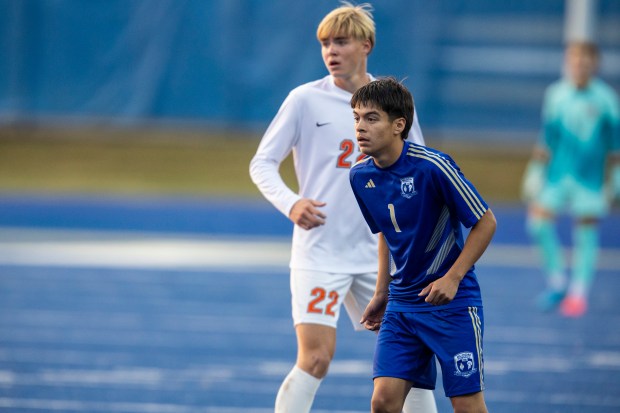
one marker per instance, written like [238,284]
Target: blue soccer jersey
[419,204]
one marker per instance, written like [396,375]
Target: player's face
[376,134]
[580,65]
[344,56]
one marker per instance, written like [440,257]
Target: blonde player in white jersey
[334,254]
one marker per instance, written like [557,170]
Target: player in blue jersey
[579,139]
[328,272]
[427,301]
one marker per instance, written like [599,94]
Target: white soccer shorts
[318,296]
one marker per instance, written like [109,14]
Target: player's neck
[352,83]
[580,82]
[389,155]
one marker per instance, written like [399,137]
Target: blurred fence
[474,66]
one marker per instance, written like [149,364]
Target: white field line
[130,250]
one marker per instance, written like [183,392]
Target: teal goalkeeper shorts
[568,195]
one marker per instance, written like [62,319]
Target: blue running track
[163,305]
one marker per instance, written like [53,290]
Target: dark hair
[389,95]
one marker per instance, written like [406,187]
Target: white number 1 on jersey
[393,217]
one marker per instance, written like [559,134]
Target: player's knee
[478,409]
[381,403]
[536,225]
[318,363]
[588,221]
[472,403]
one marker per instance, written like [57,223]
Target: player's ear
[367,46]
[399,125]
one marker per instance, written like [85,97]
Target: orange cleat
[573,306]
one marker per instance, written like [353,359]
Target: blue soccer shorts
[408,343]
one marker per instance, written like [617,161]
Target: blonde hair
[350,21]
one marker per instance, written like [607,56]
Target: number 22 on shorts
[315,306]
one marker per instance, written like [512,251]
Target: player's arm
[535,174]
[443,290]
[536,169]
[371,319]
[614,177]
[614,156]
[276,144]
[265,174]
[264,171]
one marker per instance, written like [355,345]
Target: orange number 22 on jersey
[347,146]
[320,294]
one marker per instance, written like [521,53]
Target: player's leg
[401,361]
[316,302]
[389,395]
[316,346]
[585,252]
[588,206]
[315,350]
[363,287]
[470,403]
[541,227]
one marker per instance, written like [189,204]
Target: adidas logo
[370,184]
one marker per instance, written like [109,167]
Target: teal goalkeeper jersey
[580,128]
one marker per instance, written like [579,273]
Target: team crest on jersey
[406,187]
[464,363]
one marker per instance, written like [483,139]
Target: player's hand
[533,180]
[440,291]
[306,213]
[371,319]
[614,183]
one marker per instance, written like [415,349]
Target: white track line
[132,250]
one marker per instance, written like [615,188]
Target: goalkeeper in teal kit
[574,168]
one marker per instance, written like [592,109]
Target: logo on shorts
[464,363]
[406,187]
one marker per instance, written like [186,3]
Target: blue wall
[472,65]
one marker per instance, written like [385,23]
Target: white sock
[420,401]
[297,392]
[557,281]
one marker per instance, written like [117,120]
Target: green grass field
[161,161]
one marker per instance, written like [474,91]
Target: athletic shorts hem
[417,385]
[316,322]
[463,393]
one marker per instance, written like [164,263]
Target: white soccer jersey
[316,123]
